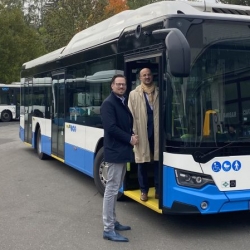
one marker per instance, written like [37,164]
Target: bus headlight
[192,179]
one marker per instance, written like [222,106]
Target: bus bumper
[180,199]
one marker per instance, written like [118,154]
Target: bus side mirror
[177,52]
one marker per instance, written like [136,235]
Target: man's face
[119,86]
[146,76]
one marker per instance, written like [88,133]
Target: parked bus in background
[9,101]
[199,56]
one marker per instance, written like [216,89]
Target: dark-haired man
[118,150]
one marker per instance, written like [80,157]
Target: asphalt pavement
[48,205]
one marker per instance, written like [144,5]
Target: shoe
[144,197]
[114,236]
[156,196]
[120,227]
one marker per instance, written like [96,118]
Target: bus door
[28,111]
[133,66]
[58,121]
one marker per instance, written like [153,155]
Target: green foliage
[134,4]
[18,43]
[31,28]
[11,3]
[68,17]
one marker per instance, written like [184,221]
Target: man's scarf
[149,89]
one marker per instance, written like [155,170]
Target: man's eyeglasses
[120,84]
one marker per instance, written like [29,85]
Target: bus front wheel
[100,173]
[6,116]
[40,154]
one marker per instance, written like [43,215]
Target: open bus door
[133,66]
[58,115]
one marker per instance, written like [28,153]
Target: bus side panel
[21,133]
[38,122]
[33,139]
[75,157]
[21,129]
[174,193]
[80,145]
[89,160]
[74,146]
[46,136]
[76,153]
[45,127]
[46,144]
[93,136]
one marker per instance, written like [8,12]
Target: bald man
[144,106]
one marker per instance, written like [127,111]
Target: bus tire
[6,116]
[40,154]
[100,173]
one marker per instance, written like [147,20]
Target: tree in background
[134,4]
[64,18]
[33,11]
[115,6]
[30,28]
[19,43]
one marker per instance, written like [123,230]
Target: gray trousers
[115,176]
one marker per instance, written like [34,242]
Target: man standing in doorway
[144,106]
[118,150]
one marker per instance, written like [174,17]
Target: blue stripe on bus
[33,140]
[173,192]
[79,159]
[21,133]
[235,206]
[46,144]
[239,200]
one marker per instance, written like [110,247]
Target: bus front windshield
[212,106]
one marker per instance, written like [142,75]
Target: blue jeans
[115,177]
[143,177]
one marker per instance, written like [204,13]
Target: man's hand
[134,140]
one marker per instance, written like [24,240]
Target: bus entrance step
[152,203]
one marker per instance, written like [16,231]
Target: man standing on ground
[118,150]
[144,106]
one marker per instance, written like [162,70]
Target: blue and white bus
[199,55]
[9,101]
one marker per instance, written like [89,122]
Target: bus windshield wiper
[200,157]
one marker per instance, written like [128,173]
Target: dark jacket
[117,123]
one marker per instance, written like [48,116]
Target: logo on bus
[71,127]
[226,166]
